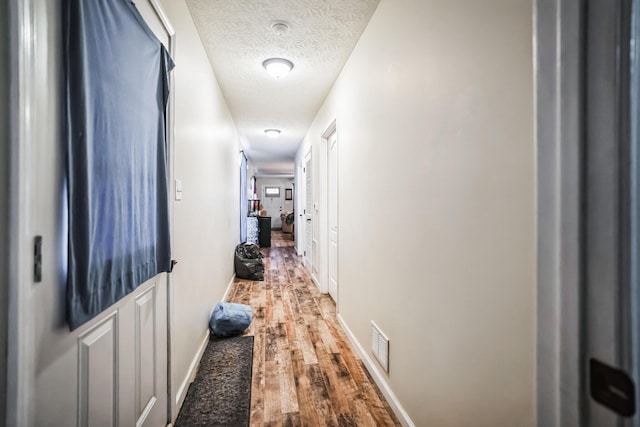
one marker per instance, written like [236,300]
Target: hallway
[431,180]
[304,369]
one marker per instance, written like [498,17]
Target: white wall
[206,227]
[434,114]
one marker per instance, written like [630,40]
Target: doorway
[611,226]
[272,202]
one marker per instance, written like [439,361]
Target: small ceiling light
[272,133]
[277,67]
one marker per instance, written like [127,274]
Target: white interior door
[308,212]
[113,369]
[272,201]
[333,214]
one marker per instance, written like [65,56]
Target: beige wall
[436,205]
[206,221]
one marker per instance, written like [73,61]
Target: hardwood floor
[304,370]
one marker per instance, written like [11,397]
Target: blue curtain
[117,85]
[243,199]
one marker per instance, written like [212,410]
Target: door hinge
[612,388]
[37,259]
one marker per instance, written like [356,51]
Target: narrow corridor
[304,369]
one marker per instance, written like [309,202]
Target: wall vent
[380,346]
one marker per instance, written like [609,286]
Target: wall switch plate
[178,185]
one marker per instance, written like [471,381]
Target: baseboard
[316,282]
[229,286]
[184,386]
[378,377]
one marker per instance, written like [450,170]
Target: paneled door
[308,212]
[332,143]
[111,371]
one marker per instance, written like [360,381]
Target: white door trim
[172,409]
[20,359]
[558,72]
[6,104]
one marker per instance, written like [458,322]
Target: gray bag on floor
[229,319]
[248,262]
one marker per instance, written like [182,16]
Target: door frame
[5,168]
[559,77]
[20,362]
[172,409]
[20,358]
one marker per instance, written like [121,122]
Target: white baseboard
[184,386]
[378,377]
[229,286]
[316,282]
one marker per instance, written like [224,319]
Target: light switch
[178,184]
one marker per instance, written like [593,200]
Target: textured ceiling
[237,36]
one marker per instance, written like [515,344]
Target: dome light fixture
[272,133]
[278,67]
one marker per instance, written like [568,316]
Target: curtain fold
[117,84]
[243,198]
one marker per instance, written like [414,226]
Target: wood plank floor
[305,372]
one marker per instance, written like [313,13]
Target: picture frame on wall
[288,194]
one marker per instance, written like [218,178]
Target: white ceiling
[237,36]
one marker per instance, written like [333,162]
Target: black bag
[248,262]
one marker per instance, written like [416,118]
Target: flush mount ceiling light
[277,67]
[272,133]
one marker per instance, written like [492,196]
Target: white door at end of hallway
[272,202]
[333,215]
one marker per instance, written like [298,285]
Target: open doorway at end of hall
[275,200]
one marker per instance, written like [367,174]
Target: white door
[308,210]
[272,200]
[333,215]
[113,369]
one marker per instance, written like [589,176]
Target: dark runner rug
[221,393]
